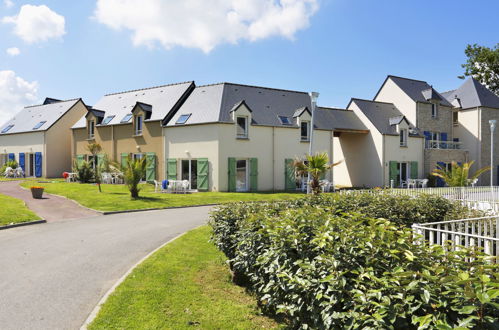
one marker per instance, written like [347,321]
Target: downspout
[44,156]
[113,147]
[383,161]
[164,150]
[331,136]
[273,158]
[479,142]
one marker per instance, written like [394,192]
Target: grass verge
[117,197]
[14,211]
[185,284]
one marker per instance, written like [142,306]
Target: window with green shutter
[124,159]
[393,172]
[289,175]
[414,170]
[253,174]
[150,166]
[232,174]
[171,169]
[202,174]
[79,160]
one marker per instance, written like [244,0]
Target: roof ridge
[373,101]
[254,86]
[146,88]
[390,75]
[61,101]
[450,90]
[333,108]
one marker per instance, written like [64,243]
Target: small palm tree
[458,175]
[133,172]
[94,149]
[317,165]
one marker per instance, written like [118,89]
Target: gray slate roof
[472,94]
[341,119]
[384,116]
[27,118]
[418,90]
[161,99]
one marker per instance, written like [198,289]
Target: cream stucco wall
[24,143]
[414,152]
[392,93]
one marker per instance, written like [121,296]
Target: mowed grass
[13,210]
[184,285]
[117,197]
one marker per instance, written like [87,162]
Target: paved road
[52,275]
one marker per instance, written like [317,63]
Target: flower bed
[322,264]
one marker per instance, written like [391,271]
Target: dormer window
[455,118]
[434,110]
[91,129]
[242,127]
[6,129]
[139,122]
[305,131]
[40,124]
[403,137]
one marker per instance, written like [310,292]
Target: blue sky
[346,49]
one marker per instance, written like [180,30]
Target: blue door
[22,161]
[440,182]
[38,164]
[12,156]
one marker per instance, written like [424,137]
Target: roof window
[127,118]
[6,129]
[40,124]
[107,120]
[284,120]
[183,118]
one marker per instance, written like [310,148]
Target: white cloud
[8,3]
[13,51]
[205,24]
[37,23]
[15,93]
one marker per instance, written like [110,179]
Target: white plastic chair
[424,183]
[158,187]
[185,186]
[9,172]
[19,173]
[411,183]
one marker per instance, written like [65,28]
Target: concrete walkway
[50,208]
[53,275]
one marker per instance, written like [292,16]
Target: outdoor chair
[411,183]
[9,172]
[325,185]
[474,182]
[424,183]
[19,173]
[158,187]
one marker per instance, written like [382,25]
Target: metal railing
[436,144]
[476,232]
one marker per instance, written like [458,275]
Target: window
[107,120]
[138,125]
[455,118]
[127,118]
[434,110]
[189,169]
[91,129]
[6,129]
[183,119]
[305,130]
[403,138]
[40,124]
[284,120]
[242,127]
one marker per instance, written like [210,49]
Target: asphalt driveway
[52,275]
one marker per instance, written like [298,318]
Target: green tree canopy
[483,65]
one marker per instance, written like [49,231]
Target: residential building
[38,137]
[474,105]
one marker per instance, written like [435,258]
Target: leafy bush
[11,163]
[322,267]
[84,172]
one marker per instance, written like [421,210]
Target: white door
[242,175]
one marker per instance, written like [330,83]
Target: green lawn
[14,211]
[184,285]
[117,197]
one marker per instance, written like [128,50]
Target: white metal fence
[476,232]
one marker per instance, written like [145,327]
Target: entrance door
[189,168]
[242,175]
[403,171]
[30,166]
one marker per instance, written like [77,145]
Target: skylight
[183,119]
[6,129]
[127,118]
[108,119]
[285,120]
[40,124]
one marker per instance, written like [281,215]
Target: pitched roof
[472,94]
[384,116]
[417,90]
[161,99]
[26,119]
[341,119]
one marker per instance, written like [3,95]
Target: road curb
[156,209]
[21,224]
[93,314]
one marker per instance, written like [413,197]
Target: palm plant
[94,149]
[133,172]
[317,165]
[458,175]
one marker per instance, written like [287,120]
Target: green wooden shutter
[253,174]
[171,168]
[232,174]
[150,166]
[80,159]
[124,159]
[393,172]
[202,174]
[289,175]
[414,170]
[100,159]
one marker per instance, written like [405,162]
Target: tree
[133,172]
[458,175]
[483,65]
[317,165]
[94,149]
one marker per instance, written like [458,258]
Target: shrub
[321,267]
[84,172]
[11,163]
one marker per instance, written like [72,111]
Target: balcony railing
[435,144]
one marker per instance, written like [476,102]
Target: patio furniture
[423,183]
[411,183]
[159,187]
[403,184]
[19,173]
[325,185]
[474,182]
[9,172]
[72,177]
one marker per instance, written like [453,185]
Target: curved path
[50,207]
[52,275]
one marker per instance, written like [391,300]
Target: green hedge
[322,266]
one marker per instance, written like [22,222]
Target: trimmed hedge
[321,265]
